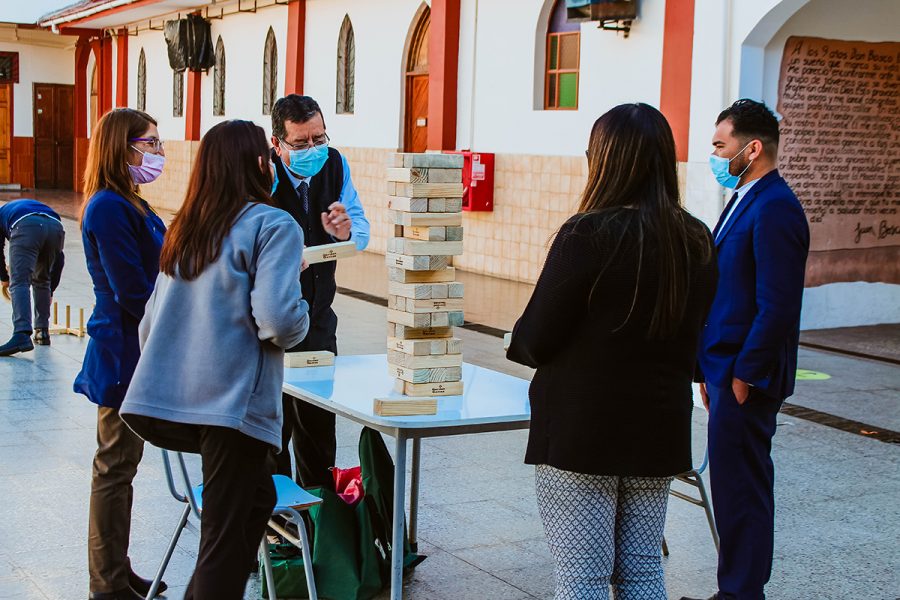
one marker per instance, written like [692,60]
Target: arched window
[219,80]
[178,93]
[563,59]
[415,119]
[270,73]
[142,82]
[346,68]
[93,105]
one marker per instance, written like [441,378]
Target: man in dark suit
[748,350]
[313,184]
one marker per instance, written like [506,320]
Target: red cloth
[348,484]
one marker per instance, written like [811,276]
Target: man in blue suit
[748,350]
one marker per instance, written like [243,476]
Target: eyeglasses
[321,140]
[153,142]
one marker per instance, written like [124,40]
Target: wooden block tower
[424,301]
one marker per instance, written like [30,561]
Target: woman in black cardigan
[612,329]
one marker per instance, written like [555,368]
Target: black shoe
[19,342]
[142,586]
[126,594]
[41,337]
[713,597]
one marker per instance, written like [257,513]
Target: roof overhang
[110,14]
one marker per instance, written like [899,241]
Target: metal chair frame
[693,478]
[188,497]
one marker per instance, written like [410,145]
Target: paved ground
[838,519]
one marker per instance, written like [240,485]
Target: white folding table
[491,401]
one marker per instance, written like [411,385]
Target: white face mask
[149,170]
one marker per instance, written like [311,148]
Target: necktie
[303,192]
[724,216]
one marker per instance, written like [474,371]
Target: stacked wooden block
[424,301]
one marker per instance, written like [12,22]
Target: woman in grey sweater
[226,305]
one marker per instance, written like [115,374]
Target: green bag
[287,568]
[351,544]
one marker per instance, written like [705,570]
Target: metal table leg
[414,492]
[399,515]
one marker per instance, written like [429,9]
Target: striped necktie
[303,192]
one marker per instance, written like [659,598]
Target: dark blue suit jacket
[122,251]
[753,327]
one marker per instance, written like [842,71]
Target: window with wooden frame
[346,69]
[563,61]
[270,73]
[219,80]
[9,67]
[142,82]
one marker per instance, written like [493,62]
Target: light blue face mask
[274,177]
[720,169]
[309,162]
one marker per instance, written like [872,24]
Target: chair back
[187,496]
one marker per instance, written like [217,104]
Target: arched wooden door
[415,130]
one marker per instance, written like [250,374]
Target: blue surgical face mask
[309,162]
[274,177]
[720,169]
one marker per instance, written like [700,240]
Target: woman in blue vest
[122,239]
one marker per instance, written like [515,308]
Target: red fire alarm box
[478,180]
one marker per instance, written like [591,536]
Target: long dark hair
[632,163]
[107,159]
[225,177]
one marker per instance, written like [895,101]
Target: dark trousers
[238,498]
[309,429]
[35,254]
[119,452]
[742,477]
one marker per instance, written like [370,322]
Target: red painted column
[82,55]
[296,39]
[675,92]
[103,55]
[122,68]
[192,108]
[443,73]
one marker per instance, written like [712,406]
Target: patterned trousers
[603,531]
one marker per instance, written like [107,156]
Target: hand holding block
[327,252]
[449,388]
[293,360]
[401,407]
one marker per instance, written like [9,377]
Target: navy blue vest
[317,281]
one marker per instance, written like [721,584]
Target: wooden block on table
[401,407]
[428,190]
[423,175]
[439,319]
[435,375]
[322,358]
[440,290]
[327,252]
[416,263]
[405,332]
[444,175]
[416,291]
[450,388]
[453,205]
[433,305]
[418,347]
[454,346]
[403,276]
[451,234]
[437,205]
[428,361]
[430,161]
[396,302]
[420,320]
[455,289]
[408,204]
[428,234]
[420,248]
[455,318]
[425,219]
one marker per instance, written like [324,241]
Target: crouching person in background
[226,305]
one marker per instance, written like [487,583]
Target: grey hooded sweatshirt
[212,349]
